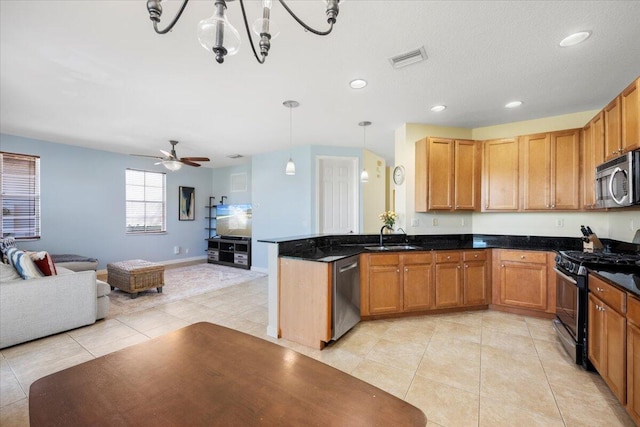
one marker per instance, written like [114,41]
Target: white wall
[373,192]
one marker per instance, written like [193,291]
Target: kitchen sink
[392,247]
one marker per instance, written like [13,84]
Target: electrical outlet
[559,222]
[462,222]
[415,222]
[186,251]
[631,225]
[176,250]
[434,222]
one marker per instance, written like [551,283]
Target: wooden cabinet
[523,280]
[630,116]
[633,358]
[500,175]
[551,170]
[447,174]
[592,156]
[395,283]
[612,133]
[305,301]
[461,278]
[607,336]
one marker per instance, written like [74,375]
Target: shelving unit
[211,218]
[234,252]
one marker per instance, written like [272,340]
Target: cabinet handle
[548,205]
[448,257]
[486,206]
[406,269]
[398,270]
[466,266]
[521,256]
[553,206]
[457,206]
[458,266]
[475,256]
[599,289]
[502,266]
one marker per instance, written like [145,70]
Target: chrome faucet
[406,239]
[381,230]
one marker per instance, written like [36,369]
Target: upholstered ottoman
[135,276]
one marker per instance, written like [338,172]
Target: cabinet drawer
[384,259]
[418,258]
[610,295]
[633,310]
[452,256]
[523,256]
[474,255]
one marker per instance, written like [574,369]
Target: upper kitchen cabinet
[622,122]
[592,156]
[447,174]
[551,170]
[500,175]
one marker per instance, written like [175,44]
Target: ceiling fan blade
[166,153]
[187,162]
[143,155]
[196,159]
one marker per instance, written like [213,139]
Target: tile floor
[469,369]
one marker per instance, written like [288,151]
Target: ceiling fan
[171,160]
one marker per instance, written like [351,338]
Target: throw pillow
[23,264]
[7,273]
[44,262]
[5,244]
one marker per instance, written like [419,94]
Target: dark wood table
[205,374]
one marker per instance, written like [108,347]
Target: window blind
[20,195]
[145,200]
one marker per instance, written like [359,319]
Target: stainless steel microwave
[618,181]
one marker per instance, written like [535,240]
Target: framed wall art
[187,204]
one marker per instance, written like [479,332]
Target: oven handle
[565,277]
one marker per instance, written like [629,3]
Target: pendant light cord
[290,130]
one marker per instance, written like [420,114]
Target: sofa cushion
[23,264]
[44,262]
[8,272]
[103,288]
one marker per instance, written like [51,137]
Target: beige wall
[374,192]
[615,224]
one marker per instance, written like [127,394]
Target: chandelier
[216,33]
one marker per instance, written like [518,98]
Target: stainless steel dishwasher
[345,307]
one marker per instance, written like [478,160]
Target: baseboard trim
[260,269]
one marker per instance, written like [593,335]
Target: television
[233,220]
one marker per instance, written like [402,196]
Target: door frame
[355,161]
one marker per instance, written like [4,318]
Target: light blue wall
[83,204]
[284,205]
[222,184]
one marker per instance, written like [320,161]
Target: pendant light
[364,175]
[291,167]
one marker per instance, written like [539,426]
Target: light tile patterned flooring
[482,368]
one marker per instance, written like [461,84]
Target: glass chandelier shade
[172,165]
[216,34]
[364,175]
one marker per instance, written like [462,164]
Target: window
[20,196]
[145,194]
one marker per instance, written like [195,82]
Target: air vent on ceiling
[235,156]
[408,58]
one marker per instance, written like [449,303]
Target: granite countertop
[627,280]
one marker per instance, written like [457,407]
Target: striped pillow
[23,264]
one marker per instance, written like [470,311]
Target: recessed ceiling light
[357,83]
[575,38]
[438,108]
[513,104]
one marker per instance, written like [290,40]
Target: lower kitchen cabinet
[607,335]
[396,283]
[633,358]
[475,277]
[305,301]
[448,280]
[522,280]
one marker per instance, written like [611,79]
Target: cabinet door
[384,289]
[418,287]
[630,115]
[501,175]
[466,181]
[595,334]
[565,170]
[592,156]
[523,285]
[633,372]
[448,284]
[440,173]
[615,333]
[536,185]
[612,145]
[475,282]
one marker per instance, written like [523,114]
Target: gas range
[576,262]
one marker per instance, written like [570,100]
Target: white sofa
[36,308]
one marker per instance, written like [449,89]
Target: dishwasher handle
[348,267]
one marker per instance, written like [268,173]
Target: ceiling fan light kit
[172,162]
[219,36]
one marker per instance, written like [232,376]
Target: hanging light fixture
[291,167]
[219,36]
[364,175]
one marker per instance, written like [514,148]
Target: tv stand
[232,251]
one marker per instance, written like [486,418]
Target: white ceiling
[95,74]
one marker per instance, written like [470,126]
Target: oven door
[567,302]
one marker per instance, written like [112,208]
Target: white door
[337,190]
